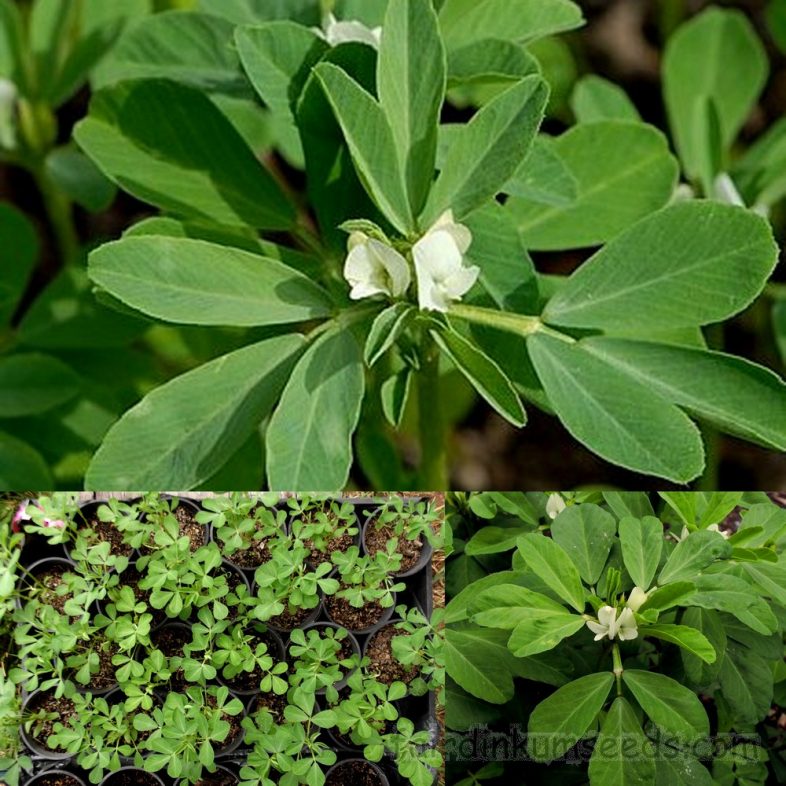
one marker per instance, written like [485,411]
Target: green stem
[518,324]
[59,210]
[433,462]
[617,659]
[776,291]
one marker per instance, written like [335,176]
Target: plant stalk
[433,461]
[617,659]
[59,210]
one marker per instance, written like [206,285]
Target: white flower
[610,625]
[555,505]
[716,528]
[439,264]
[373,268]
[636,598]
[336,32]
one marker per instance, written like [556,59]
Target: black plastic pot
[88,510]
[223,776]
[278,656]
[387,613]
[127,777]
[423,560]
[336,770]
[31,742]
[40,778]
[352,640]
[41,566]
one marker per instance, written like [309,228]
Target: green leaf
[760,174]
[371,143]
[683,636]
[677,768]
[561,720]
[543,633]
[191,48]
[746,682]
[595,98]
[411,80]
[508,605]
[22,467]
[457,609]
[671,706]
[721,255]
[491,61]
[483,374]
[194,282]
[735,395]
[707,622]
[642,542]
[543,177]
[692,554]
[668,596]
[613,414]
[771,579]
[628,503]
[395,395]
[550,562]
[622,756]
[463,711]
[305,12]
[464,21]
[717,55]
[20,244]
[586,533]
[34,383]
[493,540]
[309,439]
[12,35]
[168,144]
[80,179]
[386,330]
[479,661]
[184,431]
[623,171]
[488,150]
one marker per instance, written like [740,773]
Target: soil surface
[171,640]
[289,621]
[255,555]
[275,703]
[132,778]
[377,540]
[51,578]
[105,531]
[218,778]
[354,773]
[57,779]
[104,678]
[62,708]
[189,526]
[234,580]
[384,664]
[341,543]
[342,613]
[131,577]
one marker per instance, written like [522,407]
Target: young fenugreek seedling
[367,579]
[51,516]
[14,760]
[320,523]
[422,648]
[318,663]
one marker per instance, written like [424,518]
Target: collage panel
[244,639]
[616,638]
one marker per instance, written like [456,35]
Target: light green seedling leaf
[623,170]
[595,98]
[586,533]
[673,707]
[483,374]
[23,467]
[181,433]
[371,143]
[169,145]
[642,543]
[689,264]
[544,177]
[692,554]
[719,56]
[464,21]
[488,150]
[33,383]
[684,636]
[20,252]
[387,328]
[198,283]
[549,561]
[623,756]
[411,82]
[561,720]
[732,393]
[614,415]
[191,48]
[309,439]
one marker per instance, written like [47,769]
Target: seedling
[367,579]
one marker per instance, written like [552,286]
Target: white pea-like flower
[609,624]
[337,32]
[373,268]
[554,505]
[439,264]
[636,598]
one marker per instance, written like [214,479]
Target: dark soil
[377,540]
[255,555]
[51,578]
[131,578]
[354,773]
[57,779]
[234,580]
[105,531]
[220,777]
[132,778]
[273,702]
[383,663]
[290,621]
[104,678]
[248,681]
[342,613]
[171,640]
[63,708]
[188,526]
[341,543]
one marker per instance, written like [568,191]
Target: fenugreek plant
[652,644]
[353,246]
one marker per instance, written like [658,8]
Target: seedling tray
[419,709]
